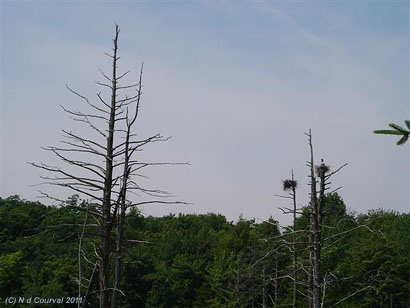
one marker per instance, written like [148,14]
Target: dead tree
[315,249]
[122,198]
[290,185]
[106,183]
[318,175]
[316,215]
[318,280]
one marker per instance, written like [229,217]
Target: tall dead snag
[290,185]
[314,285]
[289,239]
[315,248]
[316,215]
[127,168]
[318,175]
[107,183]
[107,219]
[319,280]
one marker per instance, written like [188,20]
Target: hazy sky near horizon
[235,83]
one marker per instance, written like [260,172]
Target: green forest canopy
[205,260]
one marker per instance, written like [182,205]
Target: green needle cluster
[397,130]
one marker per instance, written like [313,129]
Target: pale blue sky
[236,83]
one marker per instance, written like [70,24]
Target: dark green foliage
[18,218]
[206,261]
[33,260]
[380,259]
[9,272]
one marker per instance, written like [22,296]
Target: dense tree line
[207,261]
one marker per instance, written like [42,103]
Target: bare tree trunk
[107,189]
[290,185]
[316,274]
[91,283]
[80,248]
[316,224]
[276,282]
[310,274]
[123,198]
[118,251]
[295,276]
[118,248]
[315,233]
[107,219]
[321,171]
